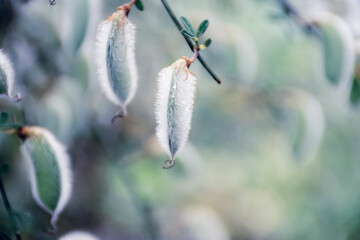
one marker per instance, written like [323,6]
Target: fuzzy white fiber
[176,91]
[63,161]
[79,235]
[6,66]
[345,34]
[117,79]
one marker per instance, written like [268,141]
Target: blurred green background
[273,152]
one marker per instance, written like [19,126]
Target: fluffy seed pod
[338,48]
[49,169]
[6,75]
[78,235]
[115,50]
[176,91]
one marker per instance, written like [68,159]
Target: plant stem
[9,210]
[178,25]
[292,12]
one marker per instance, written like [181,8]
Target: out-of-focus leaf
[3,117]
[76,23]
[307,114]
[139,5]
[338,47]
[3,169]
[207,42]
[355,91]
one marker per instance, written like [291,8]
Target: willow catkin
[49,169]
[176,91]
[115,52]
[6,75]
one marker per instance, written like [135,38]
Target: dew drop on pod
[115,52]
[49,169]
[7,77]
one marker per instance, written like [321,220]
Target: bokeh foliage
[241,176]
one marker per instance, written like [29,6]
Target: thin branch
[178,25]
[9,210]
[292,12]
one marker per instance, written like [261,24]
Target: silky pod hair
[49,169]
[175,96]
[115,52]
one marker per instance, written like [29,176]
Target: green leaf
[139,5]
[187,33]
[188,25]
[207,42]
[3,117]
[202,28]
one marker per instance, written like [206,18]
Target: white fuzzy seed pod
[78,235]
[49,169]
[115,53]
[6,75]
[176,92]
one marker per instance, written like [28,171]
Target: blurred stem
[192,47]
[293,13]
[9,210]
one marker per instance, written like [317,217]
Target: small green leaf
[3,117]
[207,42]
[188,25]
[187,33]
[139,5]
[202,28]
